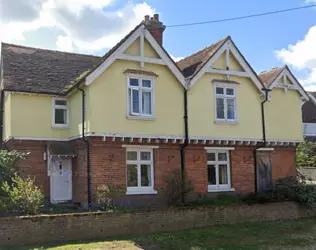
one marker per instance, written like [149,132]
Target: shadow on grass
[275,235]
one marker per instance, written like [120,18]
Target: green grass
[298,234]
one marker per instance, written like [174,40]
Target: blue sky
[94,26]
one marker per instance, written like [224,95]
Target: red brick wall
[283,162]
[34,165]
[86,226]
[243,169]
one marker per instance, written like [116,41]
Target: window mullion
[140,93]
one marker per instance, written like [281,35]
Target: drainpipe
[2,117]
[186,140]
[87,144]
[264,139]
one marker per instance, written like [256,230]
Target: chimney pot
[146,18]
[156,17]
[155,27]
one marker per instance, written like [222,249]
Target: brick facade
[108,166]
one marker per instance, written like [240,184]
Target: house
[309,117]
[132,116]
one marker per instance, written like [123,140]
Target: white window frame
[54,106]
[219,187]
[130,113]
[139,189]
[225,97]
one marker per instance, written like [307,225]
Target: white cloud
[85,25]
[302,56]
[176,59]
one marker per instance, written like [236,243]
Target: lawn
[298,234]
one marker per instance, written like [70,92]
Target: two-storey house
[132,116]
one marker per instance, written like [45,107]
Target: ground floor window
[140,170]
[218,170]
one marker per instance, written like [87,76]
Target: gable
[234,65]
[286,81]
[228,61]
[135,49]
[144,56]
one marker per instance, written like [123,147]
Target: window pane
[211,174]
[131,155]
[145,175]
[222,156]
[60,116]
[146,103]
[222,171]
[219,91]
[133,82]
[231,109]
[230,91]
[131,175]
[220,108]
[135,99]
[146,83]
[210,156]
[61,102]
[145,156]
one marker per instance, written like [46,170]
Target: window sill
[214,190]
[60,126]
[146,118]
[139,191]
[226,122]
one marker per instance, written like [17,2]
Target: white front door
[60,179]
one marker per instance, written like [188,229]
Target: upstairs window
[225,104]
[140,97]
[60,112]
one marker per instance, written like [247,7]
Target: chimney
[155,27]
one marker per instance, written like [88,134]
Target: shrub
[106,193]
[306,154]
[23,195]
[8,160]
[175,188]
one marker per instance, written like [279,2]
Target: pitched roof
[267,77]
[36,70]
[309,109]
[193,63]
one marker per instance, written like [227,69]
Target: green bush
[175,189]
[306,154]
[22,195]
[8,160]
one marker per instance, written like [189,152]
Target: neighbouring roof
[193,63]
[267,77]
[309,109]
[42,71]
[61,149]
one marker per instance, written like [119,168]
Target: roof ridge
[220,40]
[50,50]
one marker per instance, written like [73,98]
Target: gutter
[264,138]
[183,146]
[87,144]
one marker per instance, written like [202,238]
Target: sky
[94,26]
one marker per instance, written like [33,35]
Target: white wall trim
[141,33]
[265,149]
[25,138]
[139,146]
[219,148]
[228,72]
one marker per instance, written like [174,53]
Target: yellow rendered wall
[75,113]
[31,116]
[107,102]
[7,116]
[220,63]
[134,49]
[201,110]
[284,115]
